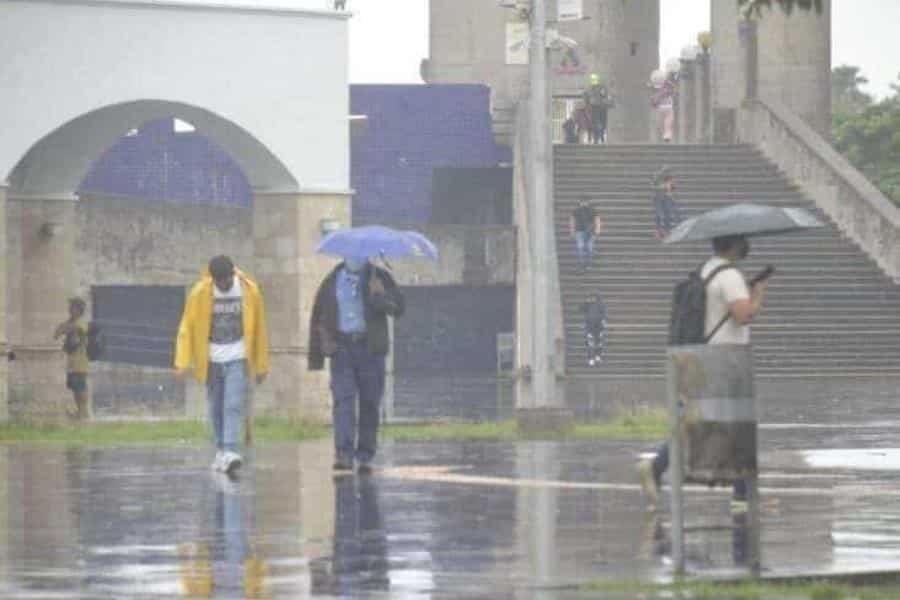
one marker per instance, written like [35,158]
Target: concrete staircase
[830,310]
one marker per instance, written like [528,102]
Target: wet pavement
[435,520]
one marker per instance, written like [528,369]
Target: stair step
[830,308]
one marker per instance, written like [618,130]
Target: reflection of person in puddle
[359,561]
[740,538]
[230,568]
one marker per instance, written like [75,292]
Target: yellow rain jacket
[192,344]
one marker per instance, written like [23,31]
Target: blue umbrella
[373,241]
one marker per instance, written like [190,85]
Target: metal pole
[543,381]
[676,468]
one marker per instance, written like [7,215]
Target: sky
[389,38]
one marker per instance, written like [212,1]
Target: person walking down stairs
[600,101]
[667,213]
[584,225]
[595,324]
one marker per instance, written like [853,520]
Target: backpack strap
[727,316]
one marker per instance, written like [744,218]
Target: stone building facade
[475,41]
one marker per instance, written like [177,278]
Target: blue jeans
[356,374]
[226,387]
[584,247]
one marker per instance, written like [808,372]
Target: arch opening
[58,163]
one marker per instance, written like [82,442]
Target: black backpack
[96,342]
[687,323]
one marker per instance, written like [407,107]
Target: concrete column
[687,104]
[795,62]
[4,343]
[42,275]
[704,99]
[286,230]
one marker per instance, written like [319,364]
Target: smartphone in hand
[762,275]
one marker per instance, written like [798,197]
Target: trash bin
[713,425]
[713,386]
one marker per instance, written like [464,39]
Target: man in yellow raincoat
[223,340]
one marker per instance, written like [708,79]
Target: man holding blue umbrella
[349,326]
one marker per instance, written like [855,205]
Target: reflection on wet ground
[436,520]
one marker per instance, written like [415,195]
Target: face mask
[355,265]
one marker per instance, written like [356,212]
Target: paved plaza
[435,520]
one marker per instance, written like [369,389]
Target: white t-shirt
[726,287]
[226,332]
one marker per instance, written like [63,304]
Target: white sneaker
[591,362]
[218,462]
[231,462]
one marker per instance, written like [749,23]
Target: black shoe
[364,469]
[342,466]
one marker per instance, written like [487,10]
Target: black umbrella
[743,219]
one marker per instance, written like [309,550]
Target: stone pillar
[687,104]
[42,274]
[792,60]
[704,99]
[749,35]
[286,230]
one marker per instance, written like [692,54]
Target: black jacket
[323,325]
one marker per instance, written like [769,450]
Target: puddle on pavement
[865,459]
[475,520]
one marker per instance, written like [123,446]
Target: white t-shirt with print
[726,287]
[226,332]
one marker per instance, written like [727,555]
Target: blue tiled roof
[411,130]
[156,163]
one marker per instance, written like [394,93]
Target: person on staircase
[584,124]
[731,305]
[662,99]
[600,101]
[584,225]
[667,213]
[595,315]
[570,129]
[74,334]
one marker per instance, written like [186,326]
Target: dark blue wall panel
[139,322]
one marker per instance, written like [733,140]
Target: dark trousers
[661,465]
[599,118]
[356,375]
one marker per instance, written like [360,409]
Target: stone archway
[283,120]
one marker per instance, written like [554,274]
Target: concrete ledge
[858,208]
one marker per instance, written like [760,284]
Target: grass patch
[151,432]
[750,590]
[433,432]
[639,425]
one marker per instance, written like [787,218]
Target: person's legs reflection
[359,561]
[739,538]
[230,548]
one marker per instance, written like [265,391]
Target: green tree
[846,97]
[870,139]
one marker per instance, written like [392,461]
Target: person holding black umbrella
[731,305]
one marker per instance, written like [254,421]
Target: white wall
[261,78]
